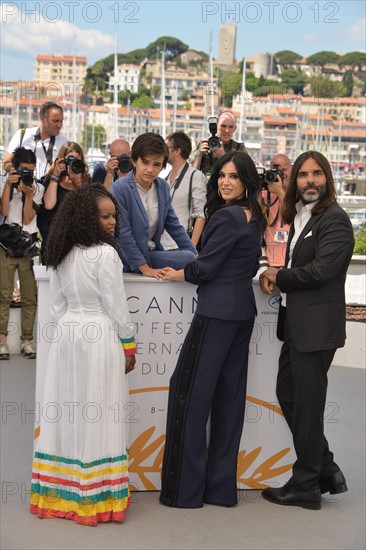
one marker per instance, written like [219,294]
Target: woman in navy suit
[211,373]
[146,211]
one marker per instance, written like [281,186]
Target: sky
[89,28]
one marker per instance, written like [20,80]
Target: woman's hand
[173,275]
[155,273]
[130,363]
[59,167]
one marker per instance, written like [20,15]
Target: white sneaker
[4,351]
[28,350]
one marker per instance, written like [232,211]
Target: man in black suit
[311,323]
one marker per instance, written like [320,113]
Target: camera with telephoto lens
[76,165]
[124,163]
[268,176]
[26,176]
[214,140]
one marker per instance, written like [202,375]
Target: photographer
[273,193]
[19,204]
[118,165]
[68,172]
[188,189]
[222,129]
[45,140]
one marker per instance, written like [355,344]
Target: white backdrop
[162,312]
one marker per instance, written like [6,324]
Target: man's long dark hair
[292,196]
[248,174]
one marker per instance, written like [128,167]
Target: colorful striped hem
[54,458]
[111,511]
[84,492]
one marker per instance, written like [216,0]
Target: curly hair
[249,177]
[76,223]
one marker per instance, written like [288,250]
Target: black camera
[76,165]
[26,176]
[214,140]
[268,176]
[124,163]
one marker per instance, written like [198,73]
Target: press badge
[280,236]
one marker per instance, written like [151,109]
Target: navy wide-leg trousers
[210,377]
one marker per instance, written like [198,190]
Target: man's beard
[308,198]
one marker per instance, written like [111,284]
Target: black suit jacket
[315,302]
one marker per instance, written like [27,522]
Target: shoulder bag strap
[190,224]
[190,191]
[22,132]
[181,176]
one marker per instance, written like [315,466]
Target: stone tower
[227,44]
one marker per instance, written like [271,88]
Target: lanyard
[49,152]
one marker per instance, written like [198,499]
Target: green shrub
[360,241]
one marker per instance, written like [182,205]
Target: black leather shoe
[333,484]
[288,495]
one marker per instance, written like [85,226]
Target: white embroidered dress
[80,468]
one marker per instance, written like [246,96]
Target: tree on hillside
[267,86]
[287,57]
[144,102]
[324,87]
[230,86]
[357,60]
[295,80]
[172,47]
[98,74]
[322,58]
[251,82]
[347,80]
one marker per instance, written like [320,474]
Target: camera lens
[26,176]
[271,176]
[214,142]
[77,166]
[124,163]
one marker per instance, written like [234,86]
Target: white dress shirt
[149,199]
[301,219]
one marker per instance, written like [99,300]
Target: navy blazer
[134,223]
[315,301]
[228,261]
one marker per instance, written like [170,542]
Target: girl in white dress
[80,468]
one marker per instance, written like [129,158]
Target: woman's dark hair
[76,223]
[292,196]
[149,144]
[247,173]
[67,148]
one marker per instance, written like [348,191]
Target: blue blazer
[134,223]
